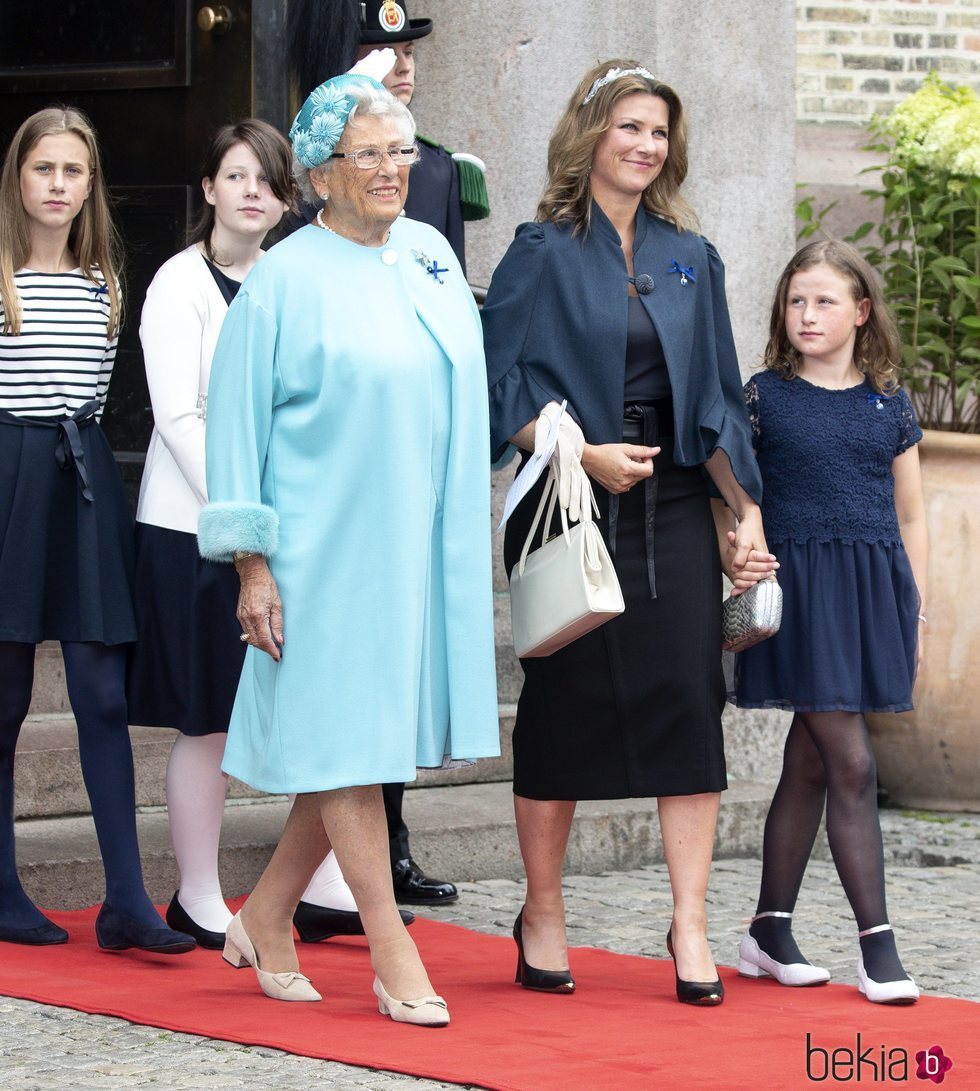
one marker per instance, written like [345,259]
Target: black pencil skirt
[634,707]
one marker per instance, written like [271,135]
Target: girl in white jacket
[185,668]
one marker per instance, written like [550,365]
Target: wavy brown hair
[92,238]
[877,346]
[274,153]
[568,194]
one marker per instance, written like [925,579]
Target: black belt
[68,450]
[642,424]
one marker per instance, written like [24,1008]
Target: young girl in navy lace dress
[65,530]
[843,511]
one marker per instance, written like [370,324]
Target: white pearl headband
[614,74]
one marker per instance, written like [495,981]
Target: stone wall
[858,57]
[494,79]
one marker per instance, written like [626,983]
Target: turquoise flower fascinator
[320,123]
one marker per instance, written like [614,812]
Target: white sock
[328,887]
[196,801]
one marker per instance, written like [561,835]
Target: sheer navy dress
[850,604]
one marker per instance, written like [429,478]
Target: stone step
[48,778]
[49,783]
[462,832]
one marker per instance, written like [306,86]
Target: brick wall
[859,57]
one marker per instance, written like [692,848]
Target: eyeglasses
[370,158]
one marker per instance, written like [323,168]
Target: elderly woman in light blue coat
[348,471]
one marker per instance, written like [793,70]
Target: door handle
[216,20]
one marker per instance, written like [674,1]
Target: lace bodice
[826,458]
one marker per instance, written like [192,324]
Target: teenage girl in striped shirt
[65,531]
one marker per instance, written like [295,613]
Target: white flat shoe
[288,985]
[754,962]
[427,1011]
[887,992]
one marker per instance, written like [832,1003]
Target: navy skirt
[634,707]
[849,632]
[66,535]
[184,669]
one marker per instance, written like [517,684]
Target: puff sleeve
[517,392]
[734,435]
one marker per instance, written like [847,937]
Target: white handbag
[565,588]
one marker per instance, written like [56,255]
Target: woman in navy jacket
[610,300]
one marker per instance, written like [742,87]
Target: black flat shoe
[546,981]
[116,931]
[318,922]
[40,935]
[181,921]
[414,887]
[705,993]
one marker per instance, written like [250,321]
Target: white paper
[533,469]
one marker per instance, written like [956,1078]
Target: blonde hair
[877,345]
[568,194]
[92,238]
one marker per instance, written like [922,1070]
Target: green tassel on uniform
[473,199]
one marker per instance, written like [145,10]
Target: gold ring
[245,638]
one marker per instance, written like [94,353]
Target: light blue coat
[319,454]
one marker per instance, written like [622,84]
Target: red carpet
[622,1030]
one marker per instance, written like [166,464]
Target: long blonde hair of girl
[93,238]
[568,194]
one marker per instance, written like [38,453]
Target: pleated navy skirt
[184,668]
[634,707]
[848,638]
[66,559]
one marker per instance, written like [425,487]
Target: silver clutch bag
[751,617]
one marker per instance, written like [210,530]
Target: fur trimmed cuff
[226,527]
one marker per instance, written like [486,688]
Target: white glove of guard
[574,488]
[377,64]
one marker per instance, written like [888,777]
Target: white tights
[196,801]
[196,790]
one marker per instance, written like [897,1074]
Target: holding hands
[749,557]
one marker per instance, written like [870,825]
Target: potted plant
[926,246]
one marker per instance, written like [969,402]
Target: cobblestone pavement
[933,872]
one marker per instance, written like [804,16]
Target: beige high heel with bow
[427,1011]
[288,985]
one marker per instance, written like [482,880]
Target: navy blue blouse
[555,326]
[826,458]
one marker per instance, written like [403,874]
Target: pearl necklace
[327,227]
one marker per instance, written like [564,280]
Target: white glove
[574,489]
[377,64]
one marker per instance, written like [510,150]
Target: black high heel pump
[705,993]
[548,981]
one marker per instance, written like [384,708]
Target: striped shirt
[62,356]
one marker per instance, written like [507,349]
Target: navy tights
[95,674]
[828,761]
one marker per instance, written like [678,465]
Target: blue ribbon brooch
[433,268]
[686,274]
[874,398]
